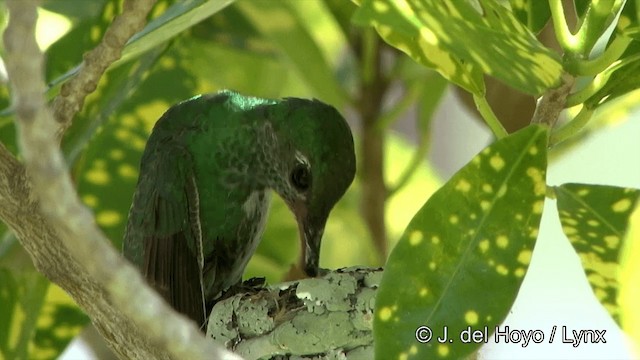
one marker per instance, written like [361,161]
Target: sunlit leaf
[629,16]
[75,10]
[179,17]
[456,250]
[37,318]
[453,35]
[595,218]
[59,321]
[629,275]
[400,27]
[623,80]
[86,33]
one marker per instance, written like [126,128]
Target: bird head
[317,166]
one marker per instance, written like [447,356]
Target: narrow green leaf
[107,170]
[454,35]
[622,80]
[179,17]
[456,250]
[21,297]
[60,321]
[595,219]
[534,14]
[629,275]
[8,302]
[286,29]
[86,32]
[629,16]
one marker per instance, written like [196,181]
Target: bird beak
[311,229]
[312,237]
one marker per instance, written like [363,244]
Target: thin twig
[70,219]
[489,116]
[95,62]
[572,127]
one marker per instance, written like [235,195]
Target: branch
[60,233]
[320,318]
[373,88]
[73,93]
[552,103]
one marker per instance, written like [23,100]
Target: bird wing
[165,219]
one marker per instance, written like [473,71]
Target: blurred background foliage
[262,48]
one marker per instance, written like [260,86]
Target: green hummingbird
[206,175]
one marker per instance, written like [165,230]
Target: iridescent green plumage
[205,178]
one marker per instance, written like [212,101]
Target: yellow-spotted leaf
[22,294]
[399,26]
[457,265]
[595,219]
[177,18]
[461,40]
[629,275]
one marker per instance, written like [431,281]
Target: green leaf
[622,80]
[399,27]
[595,219]
[85,34]
[286,28]
[60,320]
[114,88]
[534,14]
[458,40]
[456,250]
[629,275]
[599,15]
[74,9]
[21,298]
[8,302]
[179,17]
[629,16]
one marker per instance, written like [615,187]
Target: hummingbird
[206,178]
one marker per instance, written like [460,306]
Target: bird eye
[301,177]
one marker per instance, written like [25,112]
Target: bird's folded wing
[169,227]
